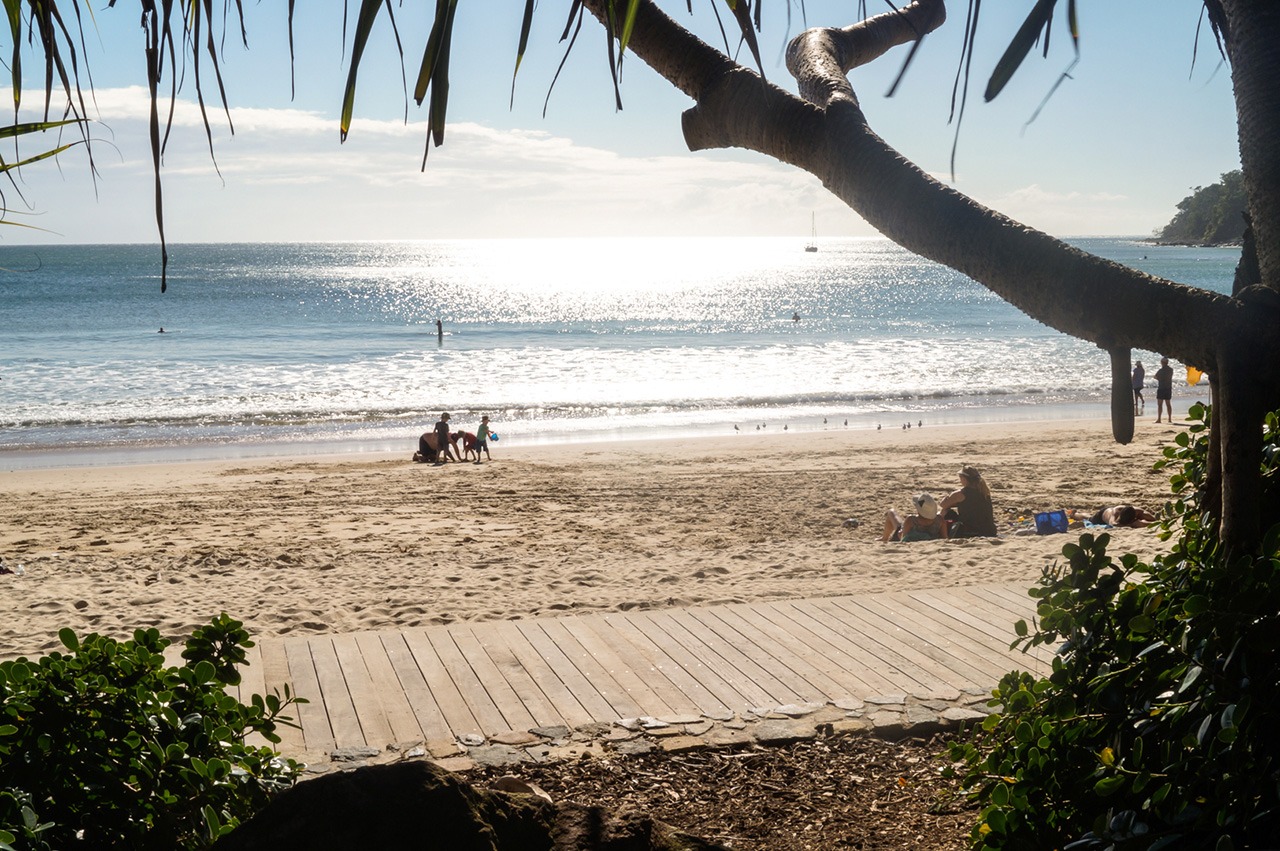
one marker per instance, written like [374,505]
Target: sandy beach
[361,542]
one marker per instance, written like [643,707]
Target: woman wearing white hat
[925,525]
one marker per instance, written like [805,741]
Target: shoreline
[108,455]
[346,543]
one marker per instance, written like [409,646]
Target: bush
[1159,726]
[106,747]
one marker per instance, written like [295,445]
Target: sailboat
[812,244]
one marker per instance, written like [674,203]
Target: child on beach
[482,439]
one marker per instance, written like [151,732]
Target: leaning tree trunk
[826,133]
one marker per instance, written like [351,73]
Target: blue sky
[1112,153]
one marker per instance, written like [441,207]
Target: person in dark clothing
[442,440]
[1164,389]
[972,507]
[1139,378]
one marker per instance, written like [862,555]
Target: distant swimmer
[795,317]
[161,331]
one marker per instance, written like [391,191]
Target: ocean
[319,348]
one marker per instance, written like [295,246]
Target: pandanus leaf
[359,39]
[525,25]
[628,25]
[742,13]
[1026,37]
[13,9]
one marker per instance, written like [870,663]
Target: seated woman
[925,525]
[1123,515]
[972,507]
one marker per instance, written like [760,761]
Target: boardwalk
[501,679]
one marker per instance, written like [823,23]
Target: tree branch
[1070,290]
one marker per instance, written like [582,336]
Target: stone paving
[889,716]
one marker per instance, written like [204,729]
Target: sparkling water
[324,347]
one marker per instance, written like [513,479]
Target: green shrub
[106,747]
[1159,726]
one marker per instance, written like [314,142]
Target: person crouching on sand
[925,525]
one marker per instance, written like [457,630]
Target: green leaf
[1109,785]
[67,636]
[1141,623]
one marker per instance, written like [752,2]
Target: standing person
[1164,389]
[972,504]
[443,452]
[482,439]
[1139,376]
[439,331]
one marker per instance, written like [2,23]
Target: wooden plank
[541,673]
[1022,604]
[416,691]
[522,683]
[978,640]
[468,685]
[856,644]
[667,698]
[932,639]
[701,699]
[834,680]
[728,644]
[514,714]
[456,712]
[624,705]
[756,646]
[337,699]
[755,695]
[374,727]
[391,693]
[275,675]
[583,690]
[1005,609]
[688,673]
[688,658]
[915,678]
[627,668]
[959,606]
[921,643]
[818,638]
[317,734]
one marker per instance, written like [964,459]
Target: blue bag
[1051,522]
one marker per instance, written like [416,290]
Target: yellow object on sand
[1193,376]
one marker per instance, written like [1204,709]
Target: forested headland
[1210,215]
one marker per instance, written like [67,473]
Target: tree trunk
[1122,412]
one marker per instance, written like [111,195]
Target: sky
[1135,128]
